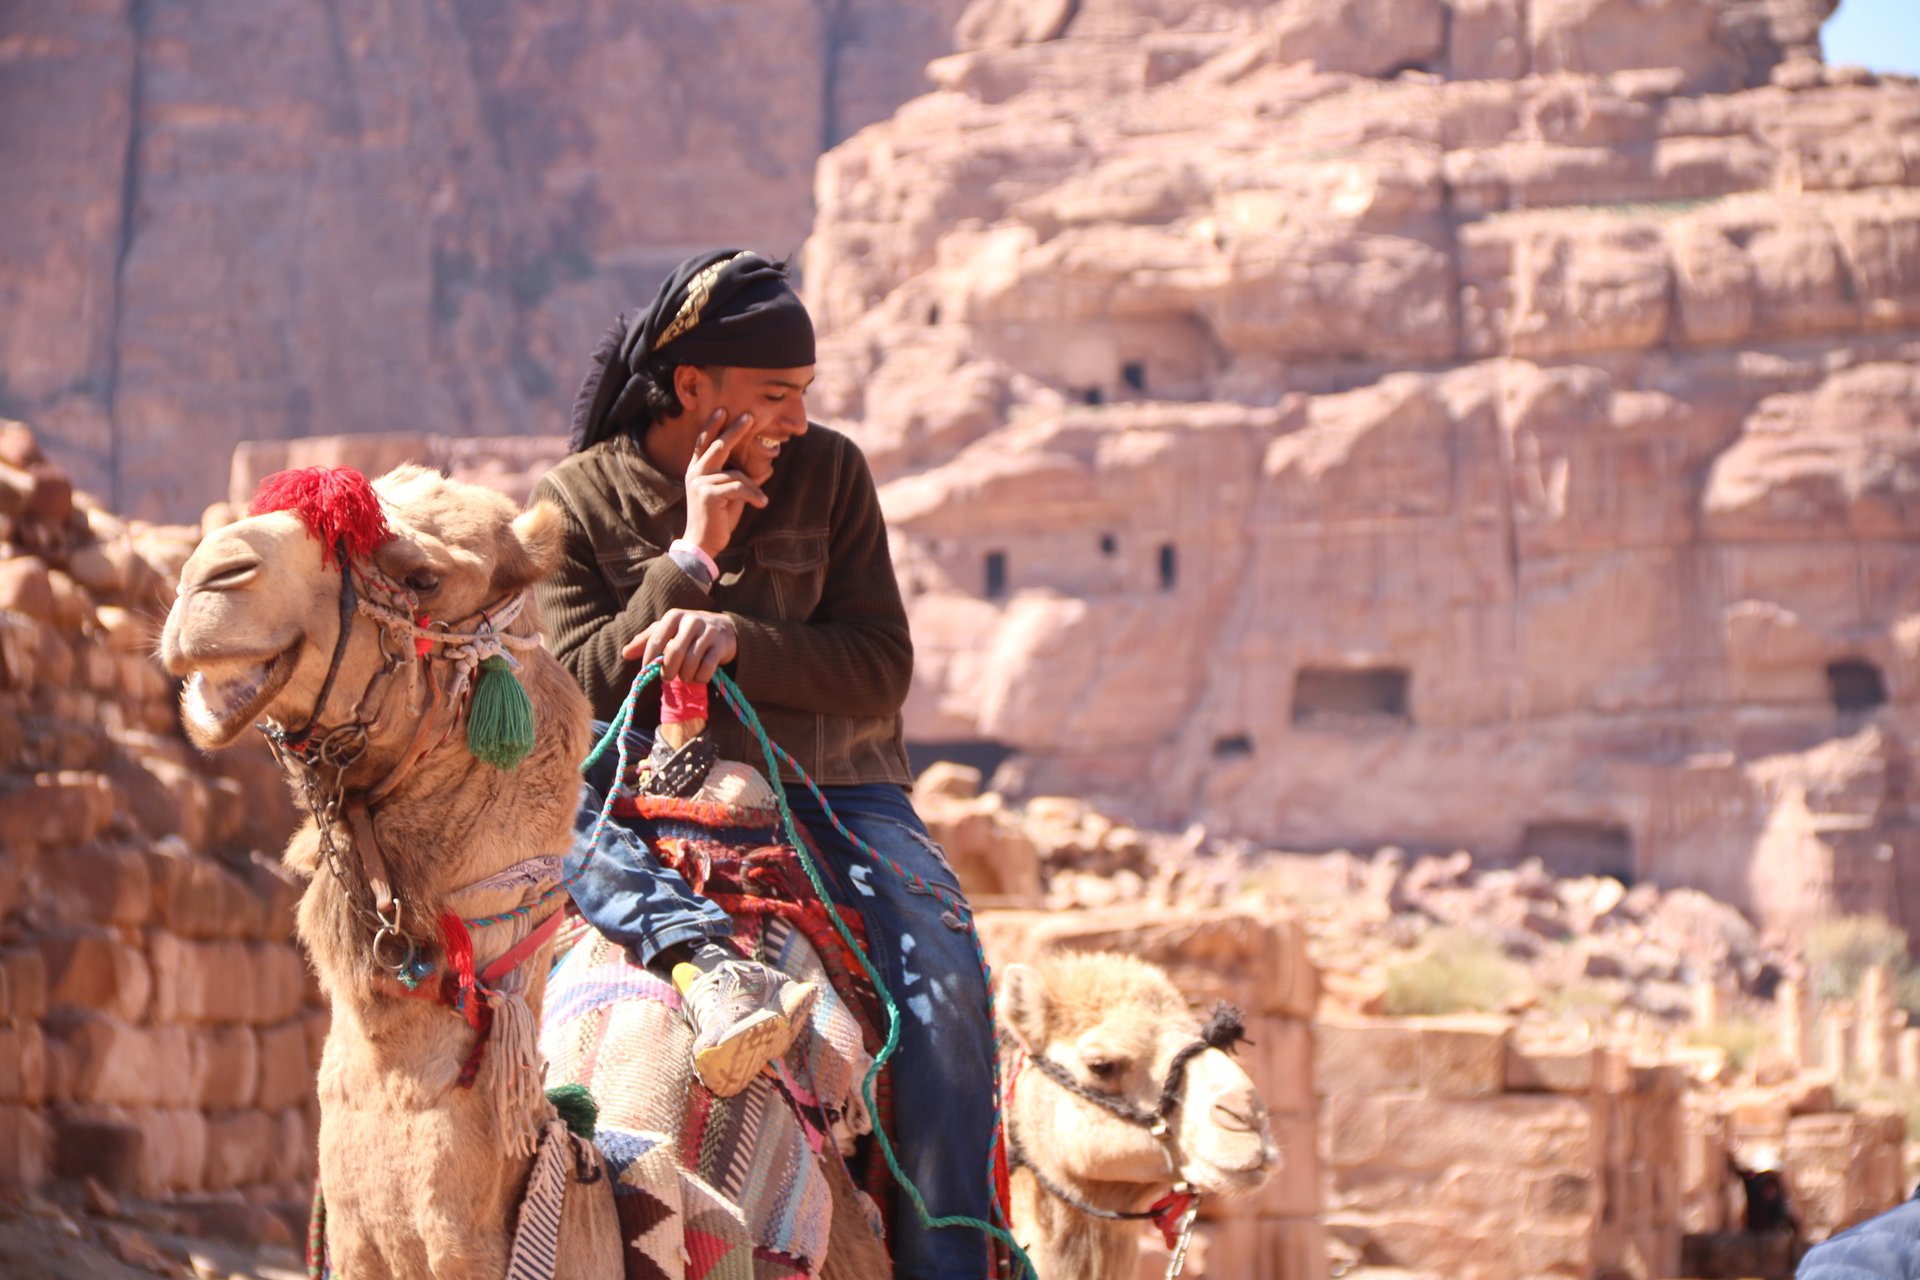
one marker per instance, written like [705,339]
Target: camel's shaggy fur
[1115,1022]
[421,1176]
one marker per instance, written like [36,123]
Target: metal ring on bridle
[385,940]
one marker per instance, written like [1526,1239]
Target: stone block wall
[1844,1167]
[1841,1166]
[1261,966]
[158,1028]
[1453,1149]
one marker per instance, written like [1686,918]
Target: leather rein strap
[296,739]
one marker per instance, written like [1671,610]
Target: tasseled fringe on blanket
[513,1065]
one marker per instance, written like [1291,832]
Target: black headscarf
[728,307]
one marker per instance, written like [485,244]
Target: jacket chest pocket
[795,568]
[623,567]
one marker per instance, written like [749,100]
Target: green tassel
[577,1107]
[500,725]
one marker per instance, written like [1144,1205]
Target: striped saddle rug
[714,1188]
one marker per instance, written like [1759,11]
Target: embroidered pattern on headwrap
[697,291]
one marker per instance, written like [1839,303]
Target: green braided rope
[744,709]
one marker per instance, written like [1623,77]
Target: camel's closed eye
[1103,1069]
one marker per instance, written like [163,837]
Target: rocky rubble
[1577,1118]
[158,1028]
[1607,950]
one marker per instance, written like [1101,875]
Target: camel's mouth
[1235,1173]
[219,706]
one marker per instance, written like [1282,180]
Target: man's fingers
[638,645]
[714,420]
[713,457]
[734,487]
[660,633]
[686,638]
[701,662]
[719,645]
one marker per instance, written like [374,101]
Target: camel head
[258,612]
[1116,1025]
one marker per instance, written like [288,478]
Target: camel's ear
[532,552]
[1021,998]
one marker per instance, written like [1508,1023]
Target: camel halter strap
[295,739]
[346,517]
[333,750]
[1175,1212]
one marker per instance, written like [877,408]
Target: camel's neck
[1072,1244]
[451,823]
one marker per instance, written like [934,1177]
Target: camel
[422,1176]
[427,1147]
[1090,1041]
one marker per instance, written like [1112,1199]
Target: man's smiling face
[775,397]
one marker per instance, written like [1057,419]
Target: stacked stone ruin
[158,1028]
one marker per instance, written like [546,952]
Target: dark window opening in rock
[1108,544]
[1327,695]
[1233,746]
[1092,395]
[1169,569]
[1580,848]
[983,754]
[996,574]
[1855,685]
[1134,374]
[933,314]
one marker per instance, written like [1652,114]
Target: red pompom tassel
[337,504]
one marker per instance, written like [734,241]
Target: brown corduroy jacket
[824,654]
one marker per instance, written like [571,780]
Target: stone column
[1876,1013]
[1708,1007]
[1790,1008]
[1837,1029]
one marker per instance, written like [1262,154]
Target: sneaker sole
[730,1066]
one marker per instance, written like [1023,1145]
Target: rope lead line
[617,732]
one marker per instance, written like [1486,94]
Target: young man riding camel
[711,526]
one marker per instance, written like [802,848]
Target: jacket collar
[656,490]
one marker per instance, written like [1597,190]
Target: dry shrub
[1840,950]
[1741,1039]
[1457,972]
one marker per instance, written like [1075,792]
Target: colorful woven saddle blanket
[727,1188]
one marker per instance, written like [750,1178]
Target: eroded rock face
[1480,424]
[298,218]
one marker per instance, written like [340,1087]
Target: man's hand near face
[691,644]
[716,494]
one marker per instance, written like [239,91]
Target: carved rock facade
[1497,432]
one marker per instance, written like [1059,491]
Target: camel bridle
[1175,1212]
[318,756]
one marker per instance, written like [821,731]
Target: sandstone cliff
[292,217]
[1485,424]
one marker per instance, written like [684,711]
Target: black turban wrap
[729,307]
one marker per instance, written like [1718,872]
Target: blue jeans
[943,1067]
